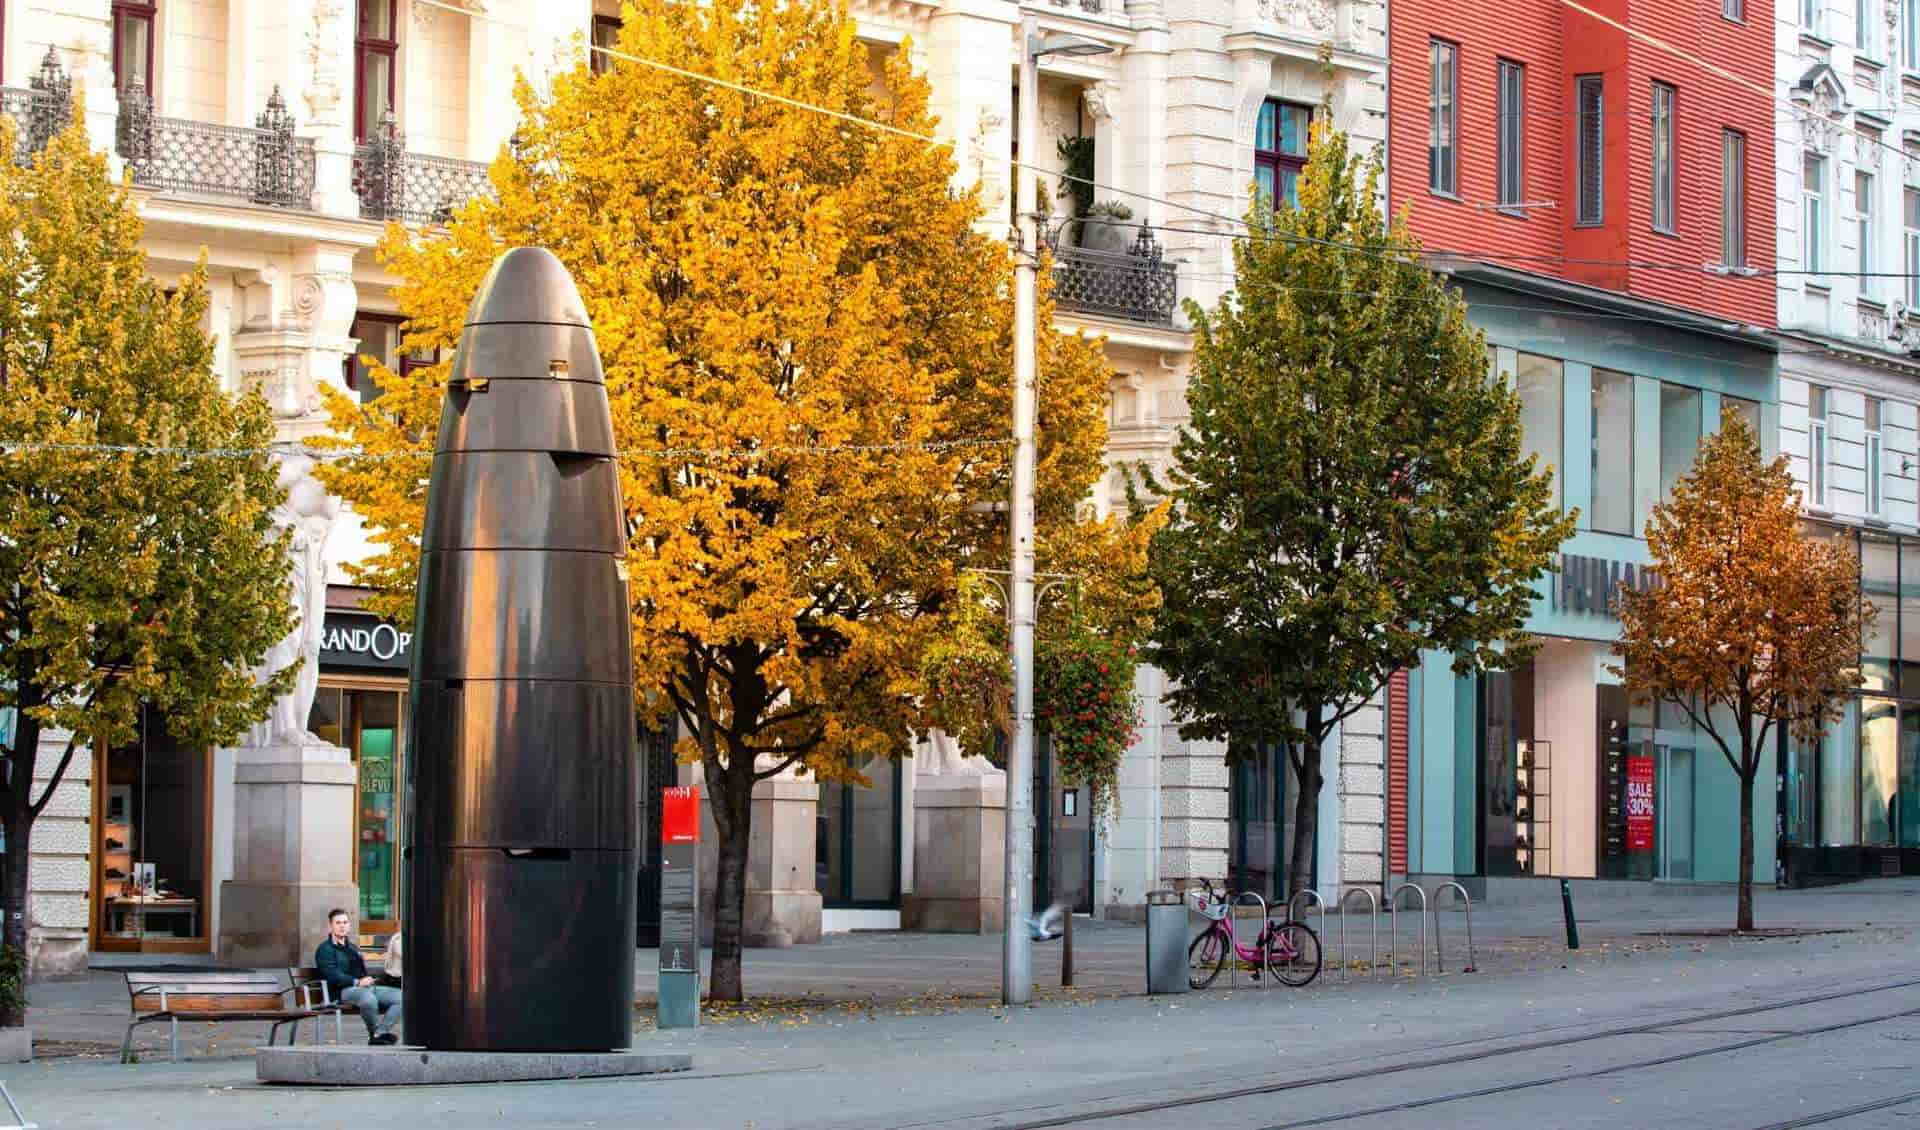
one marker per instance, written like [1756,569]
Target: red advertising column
[679,994]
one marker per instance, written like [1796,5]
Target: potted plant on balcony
[1103,227]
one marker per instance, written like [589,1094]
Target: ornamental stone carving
[1101,99]
[1312,15]
[322,94]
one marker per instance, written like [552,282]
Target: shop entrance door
[1674,813]
[152,832]
[1063,837]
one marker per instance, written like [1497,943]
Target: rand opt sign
[679,995]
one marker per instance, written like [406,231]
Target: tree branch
[66,756]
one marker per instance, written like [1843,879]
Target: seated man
[345,973]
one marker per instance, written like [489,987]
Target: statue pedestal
[782,903]
[959,853]
[292,852]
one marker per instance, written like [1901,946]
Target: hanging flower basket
[1083,691]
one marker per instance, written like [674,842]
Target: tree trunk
[733,828]
[1306,807]
[1744,920]
[17,818]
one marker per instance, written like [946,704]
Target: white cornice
[1305,50]
[243,221]
[1164,339]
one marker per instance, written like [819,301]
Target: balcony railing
[1135,285]
[1086,5]
[394,184]
[41,109]
[264,165]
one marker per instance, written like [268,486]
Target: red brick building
[1535,135]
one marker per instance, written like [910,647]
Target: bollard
[1566,908]
[1066,951]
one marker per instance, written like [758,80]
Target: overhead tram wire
[337,454]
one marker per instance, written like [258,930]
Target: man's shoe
[373,1041]
[386,1038]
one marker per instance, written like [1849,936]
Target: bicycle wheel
[1206,957]
[1293,953]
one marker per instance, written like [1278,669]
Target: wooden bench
[213,998]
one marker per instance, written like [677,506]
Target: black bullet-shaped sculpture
[522,774]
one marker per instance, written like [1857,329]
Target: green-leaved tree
[1351,490]
[125,576]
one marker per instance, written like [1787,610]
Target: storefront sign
[356,639]
[1588,584]
[1639,803]
[680,815]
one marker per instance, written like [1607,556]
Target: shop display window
[367,721]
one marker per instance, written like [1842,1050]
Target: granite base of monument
[349,1066]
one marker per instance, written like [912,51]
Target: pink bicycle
[1289,952]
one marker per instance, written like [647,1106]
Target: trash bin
[1166,942]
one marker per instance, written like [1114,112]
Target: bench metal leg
[175,1025]
[126,1045]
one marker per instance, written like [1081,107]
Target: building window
[606,34]
[1863,214]
[1817,442]
[1875,455]
[1679,434]
[857,839]
[1443,118]
[133,44]
[1538,381]
[1810,16]
[1591,158]
[1910,201]
[1280,151]
[1663,162]
[1612,449]
[1864,39]
[1733,198]
[1910,34]
[1512,157]
[374,48]
[1734,9]
[1813,211]
[1748,410]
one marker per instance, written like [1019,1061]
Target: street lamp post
[1016,956]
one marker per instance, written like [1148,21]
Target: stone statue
[307,513]
[944,758]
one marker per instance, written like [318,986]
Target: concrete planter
[16,1045]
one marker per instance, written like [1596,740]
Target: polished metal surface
[519,953]
[523,776]
[527,415]
[503,500]
[529,765]
[523,614]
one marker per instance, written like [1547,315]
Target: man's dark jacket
[340,966]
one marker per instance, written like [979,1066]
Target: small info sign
[680,880]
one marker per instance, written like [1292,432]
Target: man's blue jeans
[370,1000]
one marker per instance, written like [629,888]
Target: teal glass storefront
[1548,769]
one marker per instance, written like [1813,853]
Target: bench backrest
[204,992]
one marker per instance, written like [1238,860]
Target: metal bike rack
[1466,904]
[1319,904]
[1393,911]
[1233,950]
[1373,919]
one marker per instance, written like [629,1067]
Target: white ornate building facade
[278,138]
[1848,179]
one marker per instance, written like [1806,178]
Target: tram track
[1280,1086]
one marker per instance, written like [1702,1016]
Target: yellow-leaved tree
[1753,628]
[808,350]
